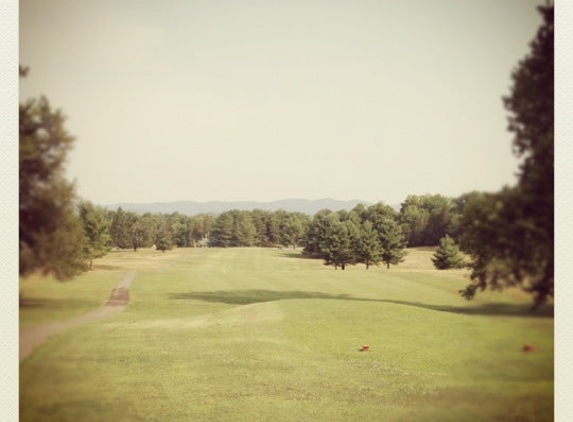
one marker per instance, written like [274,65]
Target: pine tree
[368,248]
[119,229]
[448,255]
[510,235]
[96,230]
[50,234]
[222,230]
[392,242]
[337,246]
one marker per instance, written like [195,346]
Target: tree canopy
[510,234]
[50,233]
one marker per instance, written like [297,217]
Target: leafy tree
[439,208]
[50,233]
[141,232]
[379,213]
[200,226]
[293,229]
[164,237]
[181,228]
[520,220]
[448,255]
[425,219]
[96,230]
[414,220]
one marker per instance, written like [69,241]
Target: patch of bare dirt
[33,336]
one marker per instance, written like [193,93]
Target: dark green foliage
[316,234]
[96,230]
[164,237]
[337,247]
[392,242]
[200,227]
[368,248]
[367,235]
[273,229]
[222,230]
[426,219]
[448,255]
[131,230]
[244,231]
[50,233]
[293,229]
[510,235]
[119,229]
[181,228]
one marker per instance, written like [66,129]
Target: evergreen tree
[448,255]
[96,230]
[392,242]
[274,229]
[510,235]
[244,229]
[260,219]
[368,248]
[50,233]
[222,230]
[316,234]
[119,229]
[337,247]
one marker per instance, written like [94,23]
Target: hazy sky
[264,100]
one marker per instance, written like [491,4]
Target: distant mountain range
[306,206]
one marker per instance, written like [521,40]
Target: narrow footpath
[33,336]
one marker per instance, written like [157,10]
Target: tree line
[366,234]
[508,235]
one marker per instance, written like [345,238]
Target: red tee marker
[365,347]
[528,348]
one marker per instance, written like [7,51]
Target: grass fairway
[253,334]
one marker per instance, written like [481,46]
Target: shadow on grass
[106,267]
[294,254]
[25,302]
[246,297]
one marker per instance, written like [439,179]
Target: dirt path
[33,336]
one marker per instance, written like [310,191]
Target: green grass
[265,335]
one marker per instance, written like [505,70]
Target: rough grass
[265,335]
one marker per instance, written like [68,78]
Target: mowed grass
[265,335]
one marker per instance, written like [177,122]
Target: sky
[265,100]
